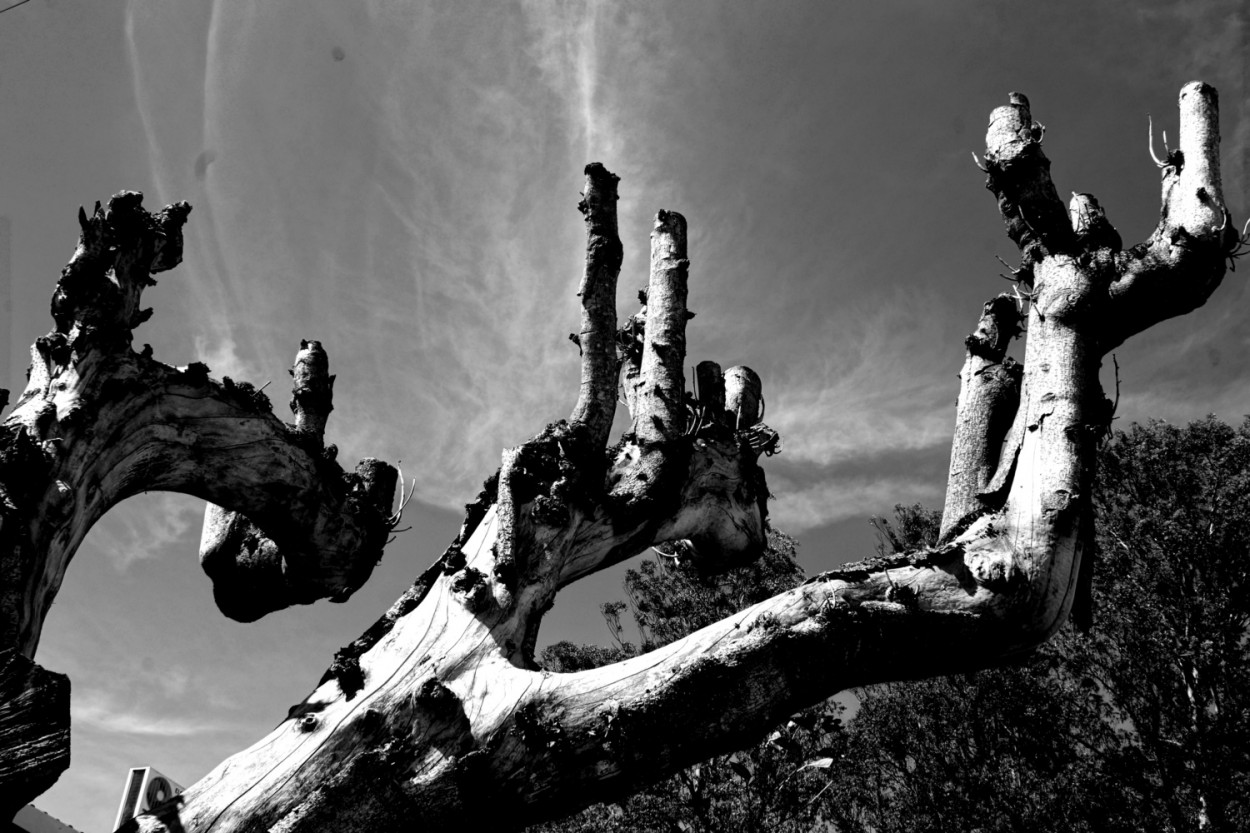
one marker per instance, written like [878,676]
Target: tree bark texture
[34,730]
[99,422]
[437,716]
[989,395]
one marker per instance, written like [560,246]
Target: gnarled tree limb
[437,716]
[99,422]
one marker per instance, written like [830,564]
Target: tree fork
[435,713]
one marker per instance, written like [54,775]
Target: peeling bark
[436,716]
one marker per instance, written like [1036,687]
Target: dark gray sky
[400,182]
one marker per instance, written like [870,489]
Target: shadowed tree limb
[34,730]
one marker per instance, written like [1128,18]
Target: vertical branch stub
[710,383]
[1197,202]
[660,412]
[743,395]
[312,391]
[377,481]
[1019,175]
[1090,224]
[998,325]
[596,400]
[989,397]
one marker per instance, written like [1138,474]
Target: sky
[399,180]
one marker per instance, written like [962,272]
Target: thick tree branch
[660,410]
[596,400]
[98,423]
[1019,175]
[989,395]
[436,716]
[254,575]
[1183,261]
[34,731]
[127,424]
[312,393]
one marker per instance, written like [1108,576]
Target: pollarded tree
[436,716]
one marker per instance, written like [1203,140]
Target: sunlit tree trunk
[437,715]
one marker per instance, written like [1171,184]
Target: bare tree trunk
[437,715]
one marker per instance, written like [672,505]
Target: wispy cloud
[802,506]
[222,356]
[94,711]
[399,183]
[146,528]
[877,374]
[403,224]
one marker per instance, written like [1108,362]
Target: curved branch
[444,730]
[253,575]
[98,423]
[128,424]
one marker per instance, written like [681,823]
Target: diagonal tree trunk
[437,715]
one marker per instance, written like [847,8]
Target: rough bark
[596,400]
[989,395]
[34,730]
[99,422]
[437,716]
[660,411]
[1194,238]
